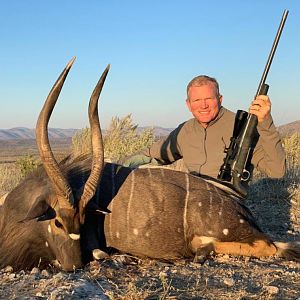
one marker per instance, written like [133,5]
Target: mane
[72,167]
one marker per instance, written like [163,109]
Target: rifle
[237,162]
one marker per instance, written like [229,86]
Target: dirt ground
[126,277]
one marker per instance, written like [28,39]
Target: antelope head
[61,210]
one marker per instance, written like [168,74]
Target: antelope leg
[258,248]
[203,245]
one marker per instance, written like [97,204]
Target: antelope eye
[58,224]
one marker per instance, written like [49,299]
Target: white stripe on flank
[150,175]
[222,201]
[149,171]
[129,201]
[210,199]
[185,225]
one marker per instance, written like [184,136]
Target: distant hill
[290,128]
[158,131]
[22,133]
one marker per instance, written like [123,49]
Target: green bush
[120,139]
[26,164]
[81,142]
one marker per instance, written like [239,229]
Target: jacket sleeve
[269,155]
[166,150]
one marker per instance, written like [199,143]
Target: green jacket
[202,149]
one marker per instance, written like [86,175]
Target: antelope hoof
[203,253]
[99,254]
[199,259]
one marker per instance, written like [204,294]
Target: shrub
[81,142]
[121,139]
[26,164]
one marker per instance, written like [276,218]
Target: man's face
[203,103]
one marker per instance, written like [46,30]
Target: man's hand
[134,160]
[261,107]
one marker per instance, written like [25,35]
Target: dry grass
[123,277]
[10,176]
[18,157]
[276,202]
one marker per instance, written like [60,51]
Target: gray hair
[202,80]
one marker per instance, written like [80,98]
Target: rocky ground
[126,277]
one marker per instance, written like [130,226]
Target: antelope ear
[40,210]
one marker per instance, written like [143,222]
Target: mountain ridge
[24,133]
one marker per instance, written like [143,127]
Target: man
[201,141]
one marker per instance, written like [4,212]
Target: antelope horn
[59,182]
[92,182]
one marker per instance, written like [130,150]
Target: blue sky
[154,47]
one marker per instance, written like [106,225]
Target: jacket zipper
[205,152]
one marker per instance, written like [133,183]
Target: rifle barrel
[271,55]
